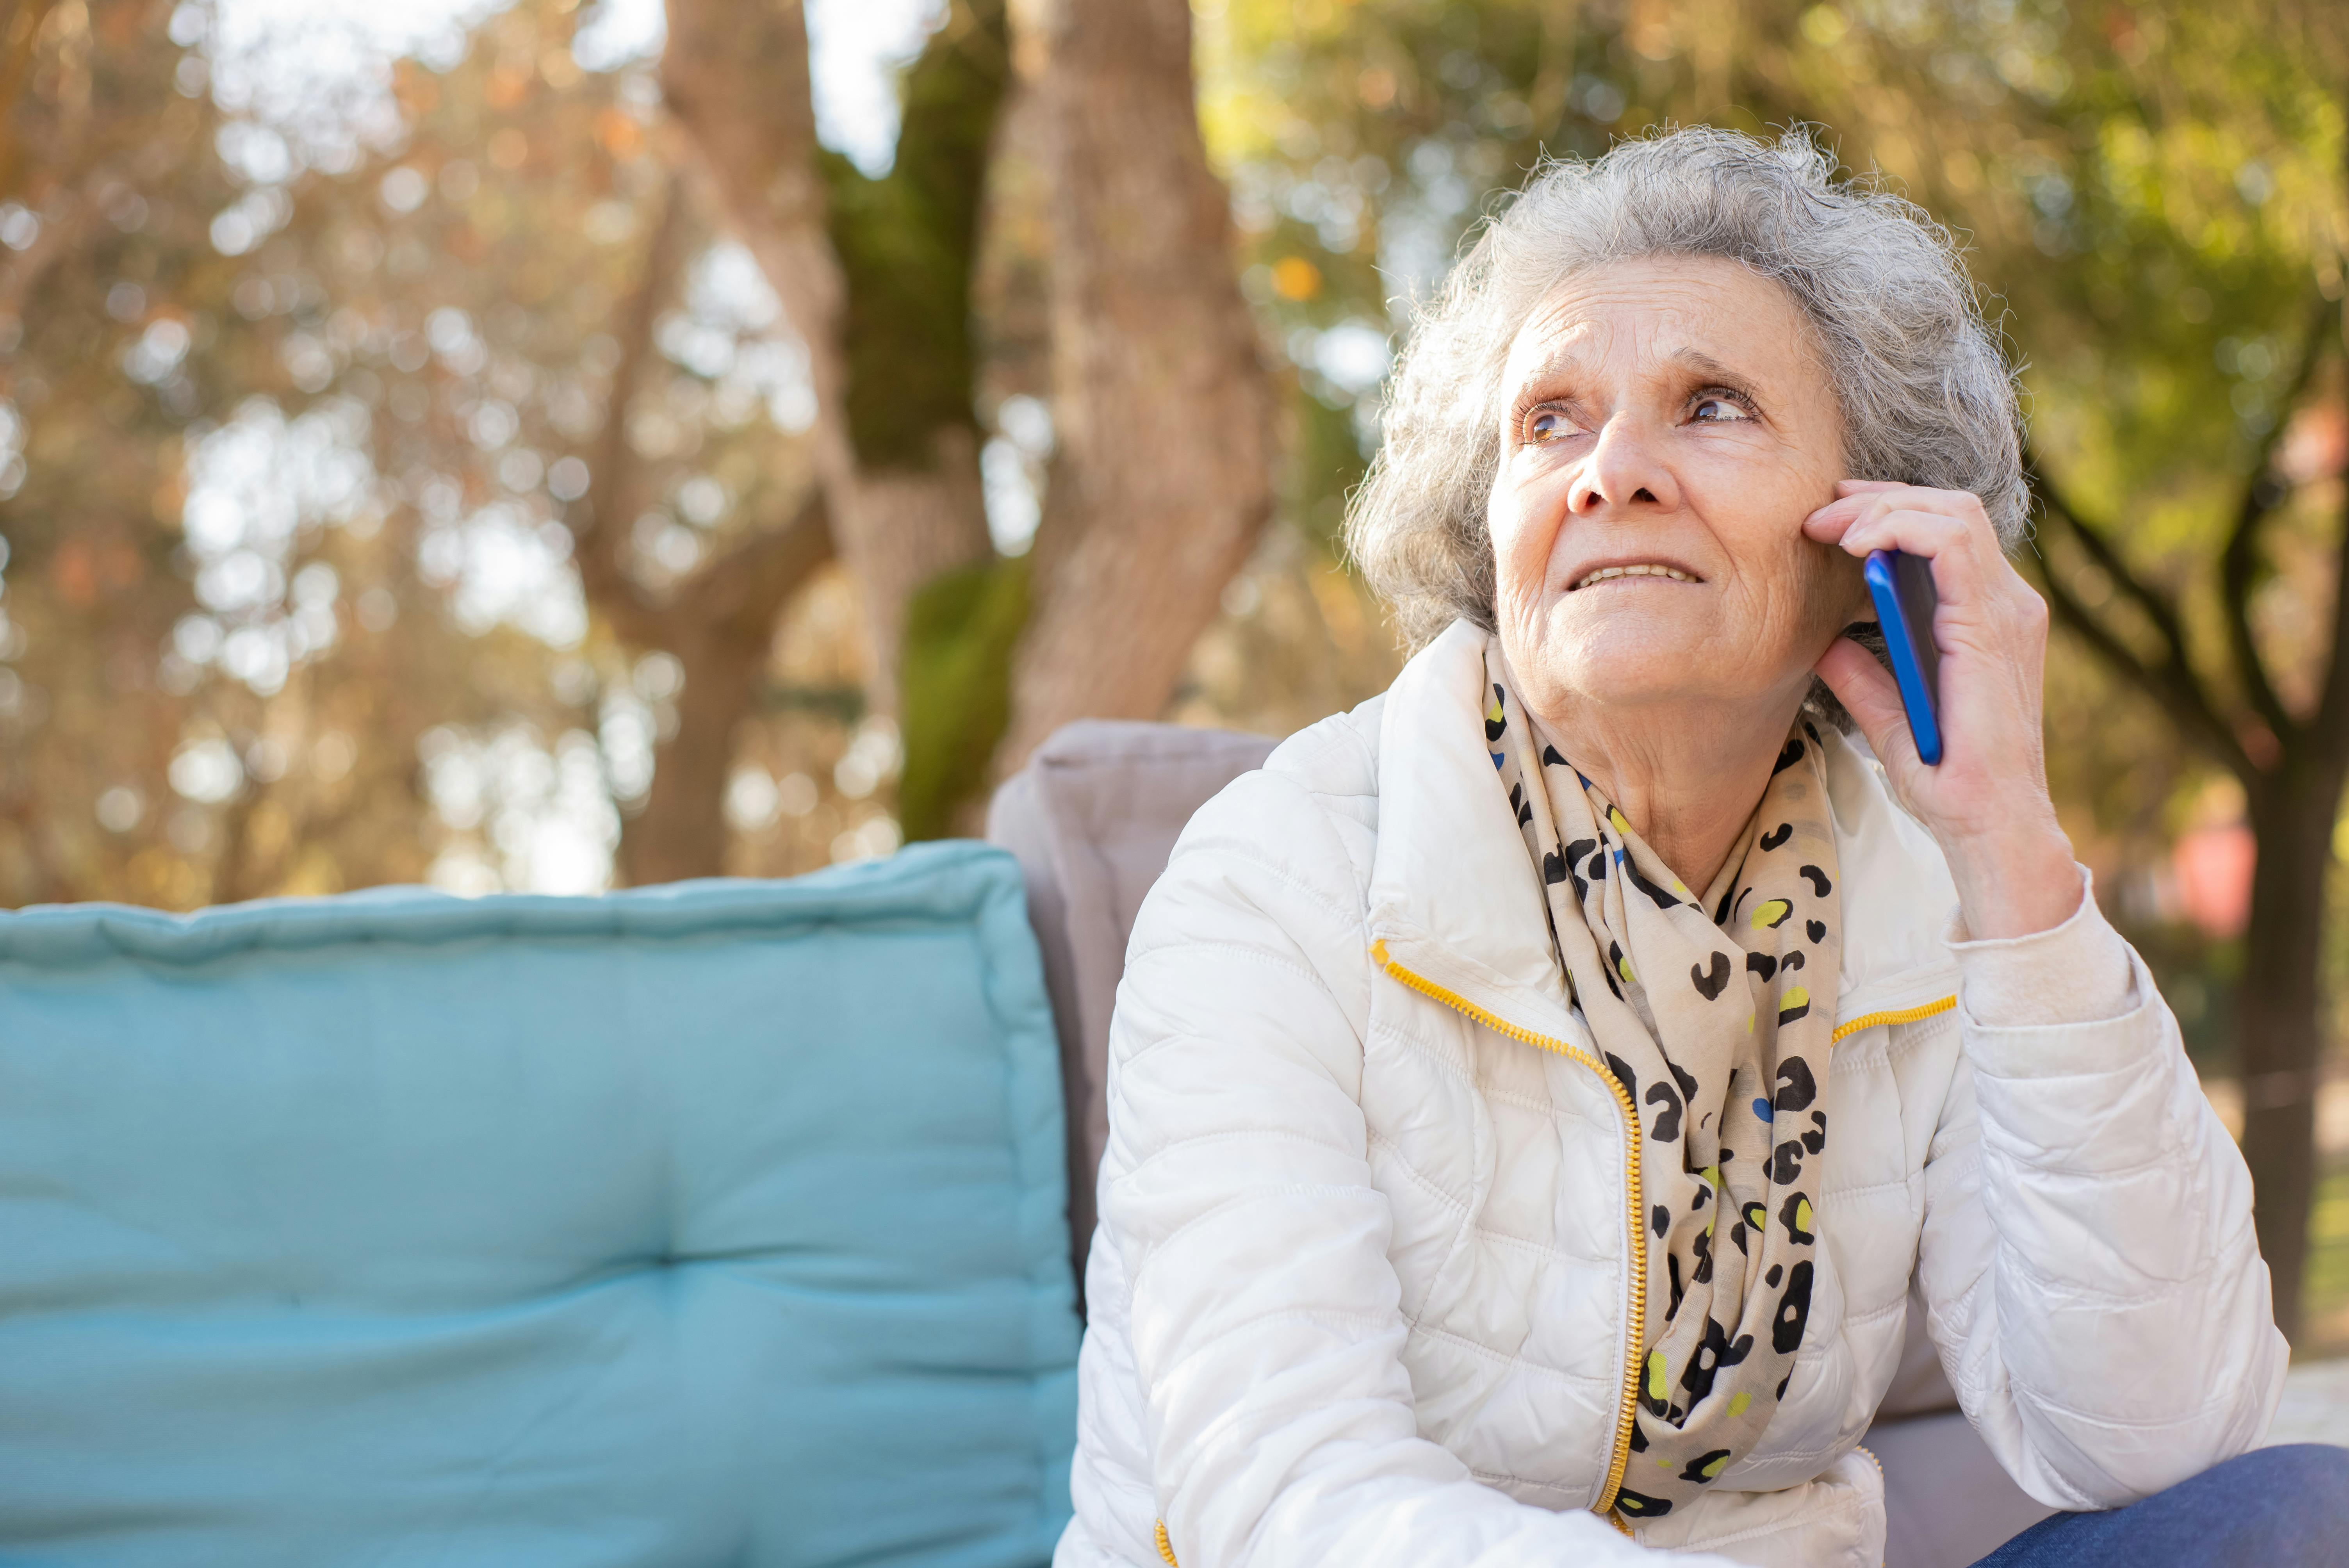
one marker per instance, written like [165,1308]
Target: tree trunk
[1163,401]
[2281,1037]
[736,76]
[681,832]
[874,277]
[913,526]
[720,624]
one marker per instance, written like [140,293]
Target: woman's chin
[1672,680]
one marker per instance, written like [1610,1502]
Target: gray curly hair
[1928,397]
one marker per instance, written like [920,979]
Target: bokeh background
[559,445]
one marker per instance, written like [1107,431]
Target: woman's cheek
[1520,558]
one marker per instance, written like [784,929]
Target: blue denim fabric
[2273,1508]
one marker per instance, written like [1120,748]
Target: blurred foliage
[907,239]
[301,421]
[2328,1271]
[285,398]
[960,630]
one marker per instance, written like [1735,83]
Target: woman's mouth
[1644,569]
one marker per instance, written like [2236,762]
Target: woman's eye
[1718,409]
[1548,424]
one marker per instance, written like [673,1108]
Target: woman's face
[1667,425]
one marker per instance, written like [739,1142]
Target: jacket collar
[1454,898]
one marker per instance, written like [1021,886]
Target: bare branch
[2100,550]
[616,473]
[2240,562]
[741,592]
[735,74]
[20,33]
[2169,680]
[2159,681]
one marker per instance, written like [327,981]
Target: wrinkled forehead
[1709,314]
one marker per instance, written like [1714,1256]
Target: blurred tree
[617,388]
[307,419]
[1149,332]
[875,272]
[717,621]
[1164,474]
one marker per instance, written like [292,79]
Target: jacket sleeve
[2094,1284]
[1266,1333]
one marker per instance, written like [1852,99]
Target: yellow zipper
[1634,1209]
[1165,1548]
[1900,1016]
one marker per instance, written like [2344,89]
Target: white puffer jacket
[1370,1265]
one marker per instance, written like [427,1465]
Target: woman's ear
[1851,584]
[1843,596]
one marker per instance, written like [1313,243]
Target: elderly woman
[1532,1094]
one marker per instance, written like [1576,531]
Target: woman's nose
[1624,469]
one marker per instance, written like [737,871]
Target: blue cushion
[720,1224]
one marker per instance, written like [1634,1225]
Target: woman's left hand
[1986,803]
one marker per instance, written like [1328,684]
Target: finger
[1857,498]
[1872,697]
[1967,563]
[1893,527]
[1828,523]
[1959,506]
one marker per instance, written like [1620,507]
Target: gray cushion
[1946,1499]
[1947,1503]
[1091,820]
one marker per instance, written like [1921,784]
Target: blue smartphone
[1902,587]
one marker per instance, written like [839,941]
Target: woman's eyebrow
[1562,361]
[1711,369]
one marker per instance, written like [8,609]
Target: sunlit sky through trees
[308,84]
[314,69]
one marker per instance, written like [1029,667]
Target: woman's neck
[1686,777]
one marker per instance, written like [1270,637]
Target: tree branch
[2171,680]
[735,74]
[2240,562]
[2091,536]
[20,32]
[742,591]
[616,474]
[2157,681]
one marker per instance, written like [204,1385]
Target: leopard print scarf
[1715,1017]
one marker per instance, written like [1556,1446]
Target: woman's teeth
[1604,572]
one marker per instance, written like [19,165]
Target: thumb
[1872,697]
